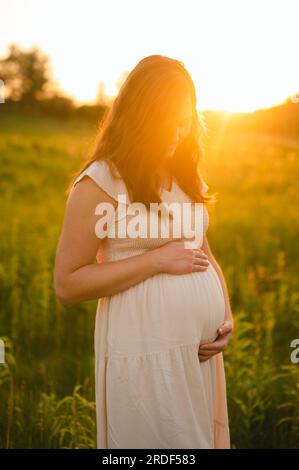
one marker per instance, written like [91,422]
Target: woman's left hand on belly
[207,350]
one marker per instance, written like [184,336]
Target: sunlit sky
[241,54]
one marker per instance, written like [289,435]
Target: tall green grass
[47,382]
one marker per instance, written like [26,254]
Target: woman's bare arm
[76,276]
[228,312]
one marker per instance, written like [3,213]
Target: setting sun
[241,55]
[149,162]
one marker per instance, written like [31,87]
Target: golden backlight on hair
[154,109]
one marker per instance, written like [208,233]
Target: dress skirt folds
[152,392]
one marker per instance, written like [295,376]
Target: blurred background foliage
[251,161]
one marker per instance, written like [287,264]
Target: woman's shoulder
[108,180]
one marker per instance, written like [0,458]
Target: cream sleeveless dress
[151,389]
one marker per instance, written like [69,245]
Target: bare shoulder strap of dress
[99,171]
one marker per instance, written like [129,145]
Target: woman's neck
[165,177]
[166,181]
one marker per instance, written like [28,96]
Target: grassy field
[47,383]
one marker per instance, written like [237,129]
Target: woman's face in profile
[183,127]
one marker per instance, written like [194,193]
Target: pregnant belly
[165,311]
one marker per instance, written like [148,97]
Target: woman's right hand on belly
[174,258]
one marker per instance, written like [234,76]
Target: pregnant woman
[163,315]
